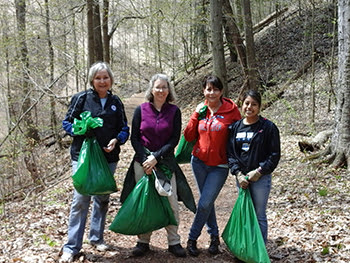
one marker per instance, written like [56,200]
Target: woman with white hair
[100,101]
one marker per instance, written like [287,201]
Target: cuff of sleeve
[259,170]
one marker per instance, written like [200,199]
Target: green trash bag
[184,149]
[93,176]
[242,233]
[80,127]
[144,210]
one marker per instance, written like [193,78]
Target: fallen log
[279,92]
[268,20]
[316,143]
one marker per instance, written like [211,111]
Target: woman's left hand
[254,175]
[111,145]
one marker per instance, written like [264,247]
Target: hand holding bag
[93,176]
[81,127]
[185,148]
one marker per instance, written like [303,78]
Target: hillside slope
[309,218]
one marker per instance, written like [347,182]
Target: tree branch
[33,105]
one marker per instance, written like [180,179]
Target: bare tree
[339,146]
[233,36]
[106,36]
[95,45]
[10,111]
[201,33]
[90,26]
[219,62]
[52,72]
[31,131]
[249,37]
[97,31]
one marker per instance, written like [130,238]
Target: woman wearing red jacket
[209,160]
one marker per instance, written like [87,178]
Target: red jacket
[212,133]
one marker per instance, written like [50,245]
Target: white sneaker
[66,258]
[100,247]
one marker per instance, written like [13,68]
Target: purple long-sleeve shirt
[158,131]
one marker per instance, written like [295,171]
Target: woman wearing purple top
[156,130]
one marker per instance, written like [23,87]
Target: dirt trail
[123,244]
[131,103]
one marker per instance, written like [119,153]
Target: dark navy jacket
[264,151]
[114,122]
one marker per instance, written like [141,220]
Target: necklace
[213,110]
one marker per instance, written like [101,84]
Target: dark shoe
[140,249]
[214,245]
[192,248]
[177,250]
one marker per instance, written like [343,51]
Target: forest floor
[308,213]
[309,204]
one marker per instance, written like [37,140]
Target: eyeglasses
[160,88]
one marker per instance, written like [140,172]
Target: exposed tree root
[316,143]
[326,156]
[340,160]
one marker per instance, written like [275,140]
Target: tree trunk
[340,144]
[52,70]
[75,56]
[106,37]
[159,46]
[249,37]
[95,43]
[200,31]
[227,16]
[313,92]
[31,132]
[233,35]
[90,28]
[218,45]
[97,29]
[10,105]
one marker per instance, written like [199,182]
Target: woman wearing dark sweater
[156,129]
[253,153]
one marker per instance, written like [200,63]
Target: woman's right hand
[242,181]
[149,164]
[199,106]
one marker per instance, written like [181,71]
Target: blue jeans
[210,180]
[78,215]
[259,192]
